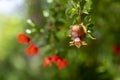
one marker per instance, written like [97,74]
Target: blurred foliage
[49,23]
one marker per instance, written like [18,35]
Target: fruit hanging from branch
[78,32]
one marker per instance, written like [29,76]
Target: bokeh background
[100,60]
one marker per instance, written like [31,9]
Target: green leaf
[90,25]
[82,3]
[90,36]
[74,11]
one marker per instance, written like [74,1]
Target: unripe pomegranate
[77,33]
[78,30]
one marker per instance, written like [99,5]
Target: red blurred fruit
[47,62]
[23,38]
[61,63]
[116,49]
[32,49]
[55,58]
